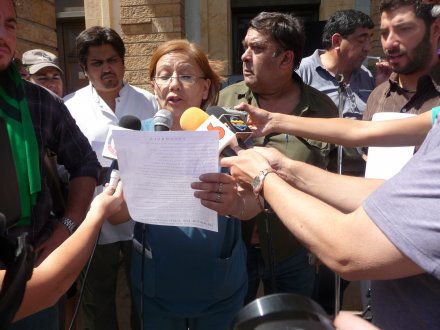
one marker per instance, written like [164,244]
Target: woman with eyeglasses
[192,278]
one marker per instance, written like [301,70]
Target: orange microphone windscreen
[192,118]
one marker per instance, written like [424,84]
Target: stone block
[38,34]
[137,62]
[162,24]
[38,11]
[140,49]
[133,28]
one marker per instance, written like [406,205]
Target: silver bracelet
[70,225]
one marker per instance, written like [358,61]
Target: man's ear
[288,58]
[83,68]
[336,41]
[435,29]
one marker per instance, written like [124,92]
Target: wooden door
[67,31]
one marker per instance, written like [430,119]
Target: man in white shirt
[103,102]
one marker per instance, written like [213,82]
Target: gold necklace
[406,90]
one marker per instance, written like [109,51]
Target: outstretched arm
[52,278]
[350,133]
[349,243]
[349,192]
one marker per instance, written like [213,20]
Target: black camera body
[16,255]
[286,311]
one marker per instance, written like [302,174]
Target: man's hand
[246,166]
[275,158]
[259,120]
[383,71]
[348,321]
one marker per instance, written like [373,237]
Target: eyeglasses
[186,80]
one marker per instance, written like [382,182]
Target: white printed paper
[385,162]
[157,169]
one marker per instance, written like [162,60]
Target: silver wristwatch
[70,225]
[257,183]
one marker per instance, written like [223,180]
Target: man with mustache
[346,39]
[103,102]
[273,48]
[409,36]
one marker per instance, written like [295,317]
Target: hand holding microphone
[195,119]
[261,122]
[128,122]
[234,120]
[114,179]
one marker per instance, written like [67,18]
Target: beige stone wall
[328,7]
[376,46]
[36,25]
[216,30]
[98,12]
[144,25]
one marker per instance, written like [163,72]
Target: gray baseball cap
[37,59]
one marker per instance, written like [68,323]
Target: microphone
[234,120]
[128,122]
[195,119]
[163,120]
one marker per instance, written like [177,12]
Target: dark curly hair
[344,22]
[422,10]
[98,36]
[285,29]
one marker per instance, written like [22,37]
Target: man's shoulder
[380,89]
[36,94]
[232,94]
[77,95]
[140,91]
[365,71]
[319,102]
[309,68]
[364,78]
[237,88]
[308,62]
[137,102]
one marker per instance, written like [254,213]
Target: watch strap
[259,180]
[70,225]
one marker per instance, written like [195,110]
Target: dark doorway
[67,31]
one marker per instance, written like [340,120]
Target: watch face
[256,182]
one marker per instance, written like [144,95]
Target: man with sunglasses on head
[273,48]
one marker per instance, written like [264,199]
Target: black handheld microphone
[163,120]
[235,121]
[128,122]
